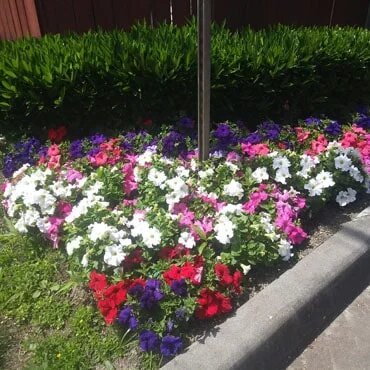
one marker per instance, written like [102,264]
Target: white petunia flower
[31,216]
[157,177]
[207,173]
[234,189]
[145,158]
[280,162]
[187,240]
[367,185]
[99,231]
[182,172]
[232,166]
[21,170]
[342,162]
[285,250]
[245,268]
[85,260]
[260,174]
[356,174]
[282,174]
[325,178]
[224,230]
[43,224]
[74,244]
[114,255]
[232,209]
[345,197]
[20,225]
[152,237]
[314,187]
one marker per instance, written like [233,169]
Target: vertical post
[204,76]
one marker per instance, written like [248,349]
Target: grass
[53,320]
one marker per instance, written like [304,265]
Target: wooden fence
[34,17]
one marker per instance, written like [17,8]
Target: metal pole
[204,76]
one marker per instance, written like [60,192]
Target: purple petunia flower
[173,144]
[127,317]
[363,121]
[93,152]
[222,131]
[137,290]
[170,345]
[97,139]
[333,128]
[76,149]
[152,294]
[179,287]
[254,138]
[149,340]
[312,121]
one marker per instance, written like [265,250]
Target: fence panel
[18,18]
[181,10]
[352,13]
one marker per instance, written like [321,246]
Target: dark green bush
[113,79]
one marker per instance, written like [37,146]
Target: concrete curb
[280,321]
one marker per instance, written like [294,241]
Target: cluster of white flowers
[29,200]
[317,184]
[345,197]
[260,174]
[151,236]
[307,164]
[234,189]
[90,200]
[178,190]
[224,230]
[187,240]
[281,164]
[158,178]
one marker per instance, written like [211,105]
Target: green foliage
[110,79]
[63,330]
[27,292]
[81,346]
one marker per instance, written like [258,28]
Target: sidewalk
[344,344]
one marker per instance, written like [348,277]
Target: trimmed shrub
[116,79]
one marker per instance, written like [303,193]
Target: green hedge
[117,78]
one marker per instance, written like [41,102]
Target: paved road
[345,344]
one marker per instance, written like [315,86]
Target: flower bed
[167,239]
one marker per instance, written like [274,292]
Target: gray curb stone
[273,327]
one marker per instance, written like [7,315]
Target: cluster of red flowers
[189,271]
[110,297]
[212,303]
[227,279]
[56,135]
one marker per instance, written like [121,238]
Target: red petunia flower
[98,282]
[237,280]
[223,274]
[108,309]
[57,135]
[172,274]
[212,304]
[117,292]
[133,259]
